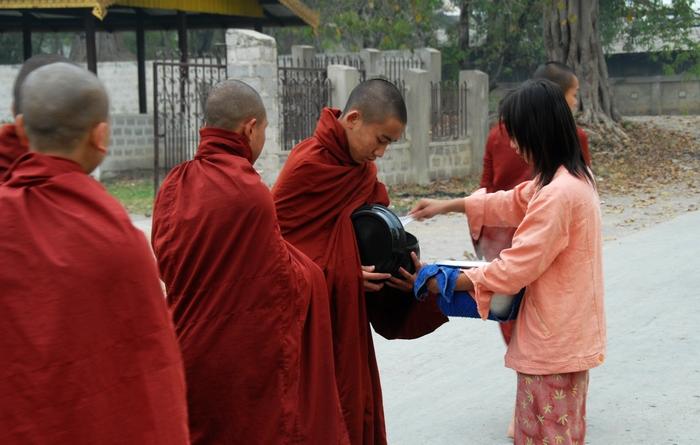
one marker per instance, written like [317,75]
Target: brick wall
[131,145]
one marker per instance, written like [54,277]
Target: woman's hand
[405,284]
[433,286]
[427,208]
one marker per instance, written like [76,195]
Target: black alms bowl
[382,240]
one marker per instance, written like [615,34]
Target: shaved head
[231,103]
[556,72]
[28,66]
[61,104]
[377,100]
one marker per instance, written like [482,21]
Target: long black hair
[537,117]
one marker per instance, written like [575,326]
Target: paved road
[451,387]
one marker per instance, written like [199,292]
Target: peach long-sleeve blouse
[557,255]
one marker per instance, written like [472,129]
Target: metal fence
[448,110]
[180,90]
[321,61]
[394,67]
[304,92]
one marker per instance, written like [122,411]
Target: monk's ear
[249,127]
[99,137]
[352,118]
[21,131]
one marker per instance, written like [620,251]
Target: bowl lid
[381,238]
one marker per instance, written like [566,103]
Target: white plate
[462,264]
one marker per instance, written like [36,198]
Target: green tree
[667,30]
[351,26]
[502,37]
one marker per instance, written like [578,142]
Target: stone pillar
[477,114]
[343,79]
[372,59]
[432,59]
[303,55]
[656,95]
[252,58]
[418,131]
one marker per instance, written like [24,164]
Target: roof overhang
[119,15]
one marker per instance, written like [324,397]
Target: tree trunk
[571,36]
[464,16]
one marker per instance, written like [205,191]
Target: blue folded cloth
[451,303]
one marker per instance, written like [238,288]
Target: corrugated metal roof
[241,8]
[99,7]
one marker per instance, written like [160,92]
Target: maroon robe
[10,148]
[89,355]
[250,310]
[317,191]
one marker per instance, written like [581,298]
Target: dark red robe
[250,310]
[503,169]
[88,351]
[10,148]
[315,194]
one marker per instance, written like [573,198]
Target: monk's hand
[405,284]
[373,281]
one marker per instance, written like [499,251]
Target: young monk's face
[369,141]
[571,94]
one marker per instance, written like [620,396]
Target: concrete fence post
[372,59]
[432,60]
[477,114]
[656,96]
[418,131]
[343,79]
[252,58]
[303,55]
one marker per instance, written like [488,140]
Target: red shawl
[10,148]
[88,351]
[250,310]
[315,194]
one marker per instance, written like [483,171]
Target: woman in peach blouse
[556,254]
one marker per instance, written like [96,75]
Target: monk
[11,147]
[251,311]
[326,178]
[88,350]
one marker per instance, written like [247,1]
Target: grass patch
[136,194]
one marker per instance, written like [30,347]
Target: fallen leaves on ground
[653,156]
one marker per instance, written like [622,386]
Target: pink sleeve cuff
[481,295]
[474,210]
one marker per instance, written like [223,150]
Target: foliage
[351,26]
[663,28]
[505,38]
[110,46]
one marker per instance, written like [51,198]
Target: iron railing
[180,90]
[448,110]
[304,92]
[395,67]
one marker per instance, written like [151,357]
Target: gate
[305,90]
[180,91]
